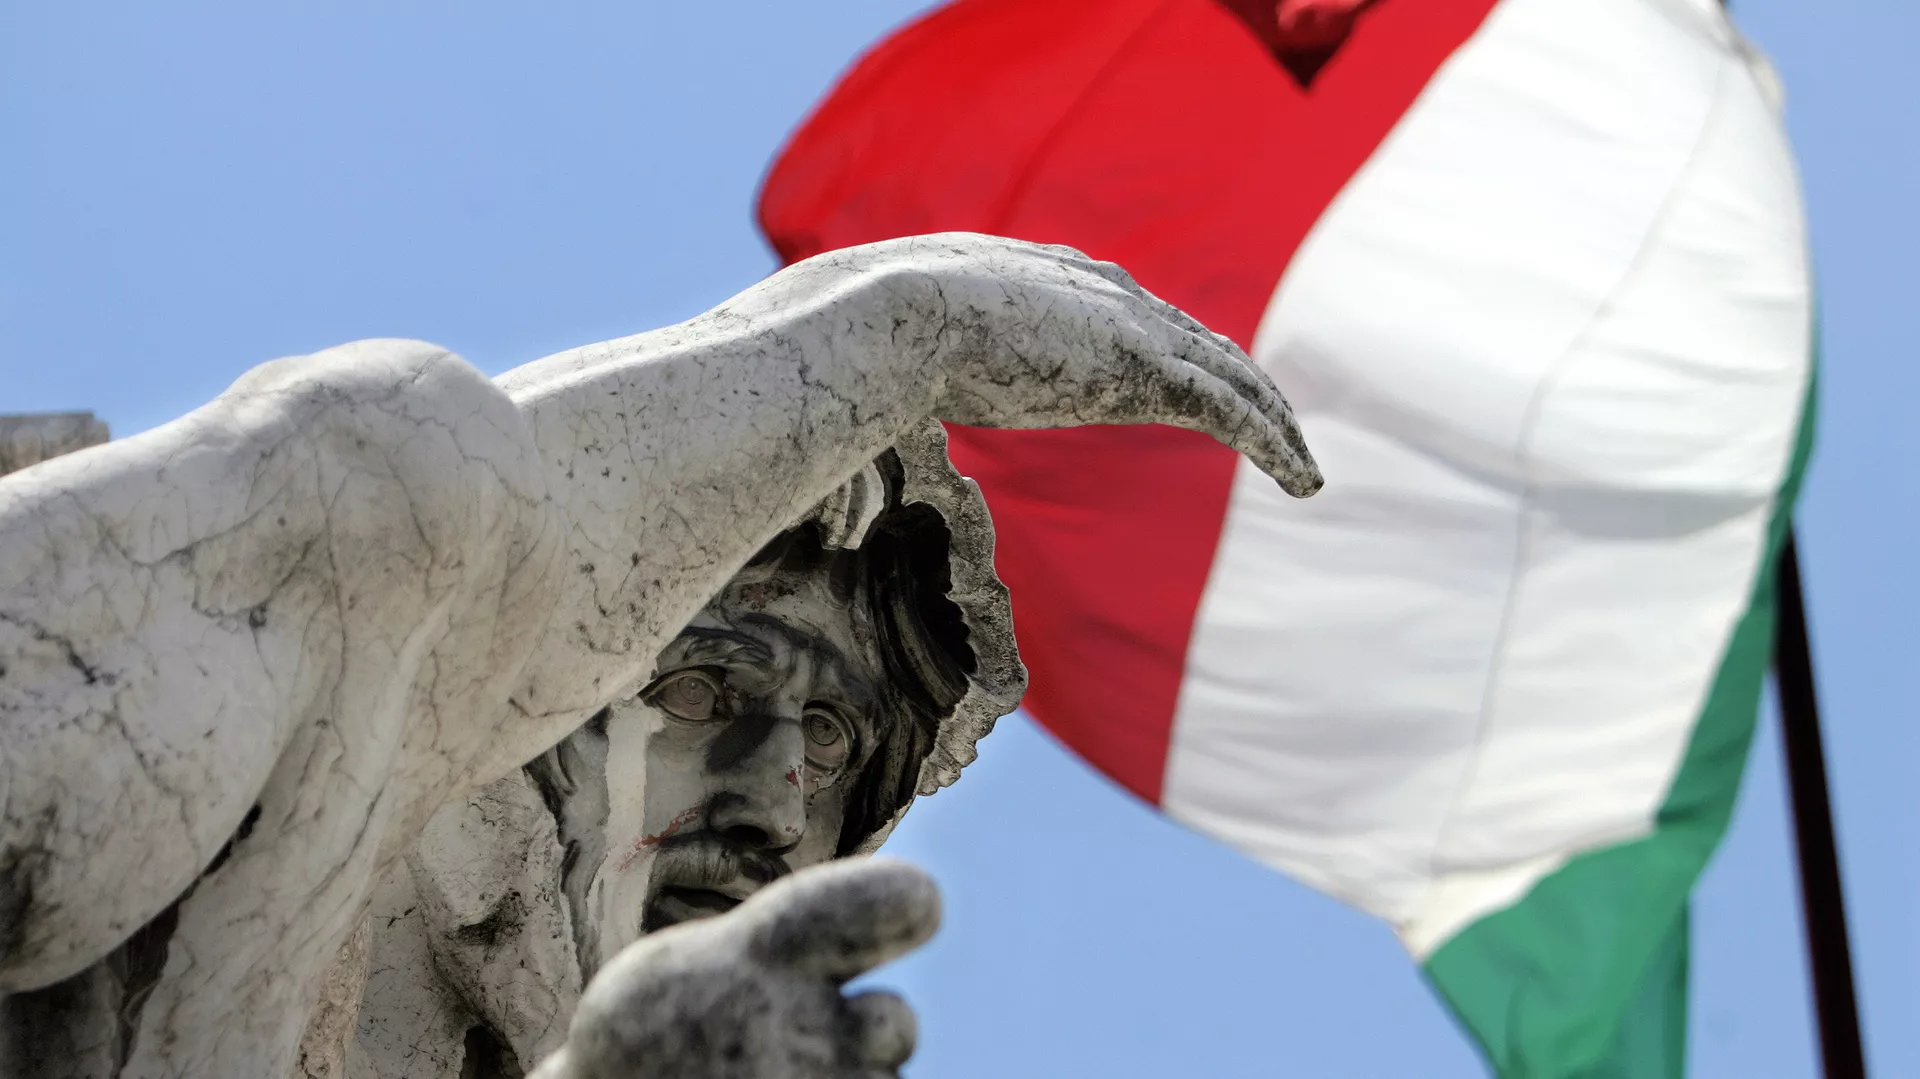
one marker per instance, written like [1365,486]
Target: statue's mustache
[708,860]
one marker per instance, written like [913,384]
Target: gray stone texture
[247,655]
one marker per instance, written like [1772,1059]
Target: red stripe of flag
[1164,135]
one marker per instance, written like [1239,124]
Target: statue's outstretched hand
[756,993]
[1031,335]
[677,454]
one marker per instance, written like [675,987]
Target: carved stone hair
[895,582]
[997,679]
[908,543]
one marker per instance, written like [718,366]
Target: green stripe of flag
[1586,977]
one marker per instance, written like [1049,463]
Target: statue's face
[751,736]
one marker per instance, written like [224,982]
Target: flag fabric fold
[1533,274]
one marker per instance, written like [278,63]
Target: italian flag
[1533,274]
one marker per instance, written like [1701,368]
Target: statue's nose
[763,800]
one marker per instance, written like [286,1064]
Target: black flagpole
[1822,904]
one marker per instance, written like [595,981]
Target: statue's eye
[829,741]
[690,695]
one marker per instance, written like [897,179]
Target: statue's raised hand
[1042,336]
[756,993]
[677,453]
[1031,335]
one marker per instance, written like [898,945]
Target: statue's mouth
[700,875]
[677,904]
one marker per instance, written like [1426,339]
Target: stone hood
[918,470]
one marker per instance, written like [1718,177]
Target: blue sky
[189,189]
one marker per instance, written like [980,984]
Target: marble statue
[29,440]
[245,657]
[852,664]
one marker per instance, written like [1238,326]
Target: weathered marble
[245,656]
[879,616]
[35,437]
[756,994]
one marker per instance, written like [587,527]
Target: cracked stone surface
[31,439]
[757,994]
[515,893]
[245,656]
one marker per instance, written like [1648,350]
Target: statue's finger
[842,919]
[1223,359]
[1269,435]
[1187,395]
[881,1030]
[1275,444]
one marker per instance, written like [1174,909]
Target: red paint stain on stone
[685,818]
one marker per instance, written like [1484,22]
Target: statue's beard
[701,874]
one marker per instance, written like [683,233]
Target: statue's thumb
[841,919]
